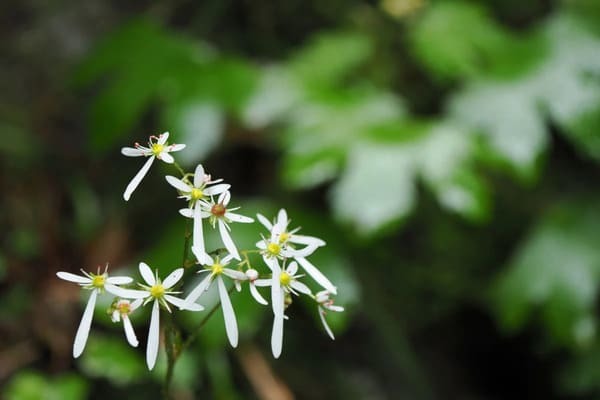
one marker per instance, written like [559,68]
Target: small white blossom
[96,283]
[216,269]
[157,292]
[121,312]
[218,213]
[157,148]
[197,194]
[325,303]
[282,244]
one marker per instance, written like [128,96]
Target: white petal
[232,273]
[126,293]
[261,245]
[176,147]
[153,336]
[129,332]
[199,176]
[135,304]
[227,259]
[292,268]
[198,291]
[301,287]
[308,240]
[132,152]
[335,308]
[173,278]
[67,276]
[178,184]
[305,252]
[137,179]
[277,335]
[216,189]
[166,157]
[177,302]
[187,212]
[198,236]
[224,198]
[162,139]
[276,294]
[202,256]
[316,275]
[325,324]
[228,314]
[256,294]
[263,282]
[147,274]
[227,241]
[238,218]
[119,280]
[84,326]
[282,217]
[263,220]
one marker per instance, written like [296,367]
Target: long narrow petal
[129,332]
[137,179]
[257,296]
[187,212]
[282,217]
[228,314]
[308,240]
[227,241]
[162,139]
[263,220]
[301,287]
[202,256]
[305,252]
[238,218]
[316,275]
[132,152]
[263,282]
[84,326]
[177,302]
[199,175]
[224,198]
[173,278]
[216,189]
[198,291]
[198,236]
[166,157]
[135,304]
[277,335]
[153,336]
[276,294]
[126,293]
[234,274]
[292,268]
[178,184]
[325,324]
[176,147]
[119,280]
[67,276]
[147,274]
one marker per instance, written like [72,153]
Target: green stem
[181,171]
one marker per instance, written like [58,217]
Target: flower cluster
[283,251]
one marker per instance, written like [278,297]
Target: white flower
[97,283]
[216,270]
[121,312]
[218,213]
[325,303]
[197,193]
[157,148]
[157,292]
[282,283]
[282,245]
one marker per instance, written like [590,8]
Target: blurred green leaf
[556,270]
[30,385]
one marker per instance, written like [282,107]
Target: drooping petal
[263,282]
[67,276]
[162,139]
[173,278]
[176,147]
[301,287]
[227,241]
[316,275]
[224,198]
[202,256]
[228,314]
[166,157]
[216,189]
[147,274]
[325,324]
[263,220]
[119,280]
[276,293]
[125,293]
[178,184]
[256,294]
[304,252]
[153,336]
[84,326]
[307,240]
[238,218]
[129,332]
[187,212]
[198,291]
[177,302]
[198,235]
[137,179]
[132,152]
[234,274]
[199,176]
[277,335]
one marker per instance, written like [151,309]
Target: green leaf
[557,270]
[30,385]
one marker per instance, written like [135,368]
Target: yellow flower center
[157,148]
[273,249]
[217,269]
[285,279]
[98,281]
[197,194]
[157,291]
[124,307]
[283,237]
